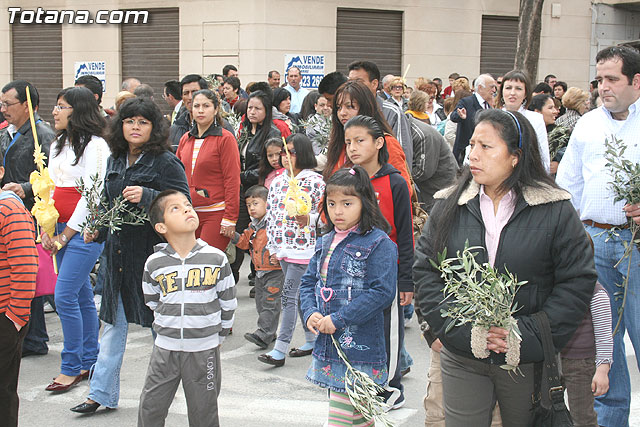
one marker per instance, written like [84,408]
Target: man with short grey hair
[130,84]
[385,93]
[465,112]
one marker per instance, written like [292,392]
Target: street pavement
[253,394]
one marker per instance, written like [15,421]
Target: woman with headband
[506,204]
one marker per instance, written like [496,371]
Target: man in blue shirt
[293,86]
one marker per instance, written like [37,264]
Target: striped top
[193,299]
[18,259]
[196,150]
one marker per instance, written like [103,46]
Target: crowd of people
[327,191]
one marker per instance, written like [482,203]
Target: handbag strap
[550,364]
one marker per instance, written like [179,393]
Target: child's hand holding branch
[326,326]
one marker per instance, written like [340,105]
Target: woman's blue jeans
[74,303]
[105,381]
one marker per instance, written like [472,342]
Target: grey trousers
[578,374]
[201,377]
[471,389]
[268,303]
[291,306]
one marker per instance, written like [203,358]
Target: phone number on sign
[311,80]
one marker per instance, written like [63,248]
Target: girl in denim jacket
[350,280]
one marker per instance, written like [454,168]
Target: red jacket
[18,260]
[215,181]
[397,159]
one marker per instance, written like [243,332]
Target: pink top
[272,175]
[495,222]
[337,238]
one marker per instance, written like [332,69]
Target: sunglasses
[284,153]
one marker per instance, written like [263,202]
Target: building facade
[429,38]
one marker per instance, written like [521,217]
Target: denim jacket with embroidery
[361,283]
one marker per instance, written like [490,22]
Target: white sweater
[65,174]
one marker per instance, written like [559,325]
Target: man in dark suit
[465,112]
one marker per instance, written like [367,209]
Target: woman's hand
[90,236]
[462,112]
[47,242]
[497,339]
[553,167]
[312,322]
[326,326]
[227,230]
[600,382]
[437,345]
[273,260]
[133,194]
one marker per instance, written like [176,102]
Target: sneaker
[252,292]
[399,403]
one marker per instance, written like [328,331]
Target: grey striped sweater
[193,299]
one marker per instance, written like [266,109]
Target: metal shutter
[498,44]
[37,57]
[372,35]
[150,52]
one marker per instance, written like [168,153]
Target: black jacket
[18,157]
[250,158]
[434,167]
[465,126]
[127,250]
[543,243]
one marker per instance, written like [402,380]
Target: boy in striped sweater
[18,269]
[189,286]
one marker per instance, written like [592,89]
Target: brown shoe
[59,388]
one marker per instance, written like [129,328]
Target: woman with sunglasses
[79,152]
[140,167]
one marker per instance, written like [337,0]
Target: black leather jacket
[250,158]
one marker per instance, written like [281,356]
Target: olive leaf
[625,185]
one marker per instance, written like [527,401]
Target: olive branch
[319,130]
[480,295]
[625,185]
[363,392]
[101,214]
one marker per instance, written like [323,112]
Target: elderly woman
[506,205]
[140,167]
[576,102]
[417,106]
[397,87]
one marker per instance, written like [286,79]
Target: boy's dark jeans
[10,357]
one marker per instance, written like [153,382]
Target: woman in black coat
[140,167]
[507,204]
